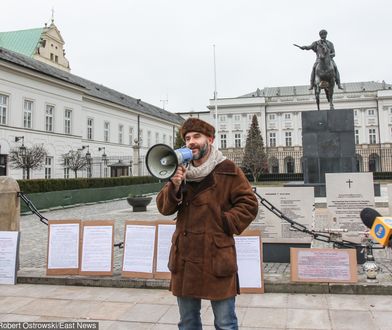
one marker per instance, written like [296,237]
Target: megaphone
[162,161]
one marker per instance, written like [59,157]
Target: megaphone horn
[162,161]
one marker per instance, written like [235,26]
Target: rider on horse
[329,44]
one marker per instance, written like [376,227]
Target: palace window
[288,138]
[372,136]
[237,140]
[130,135]
[90,128]
[48,167]
[106,131]
[49,118]
[120,133]
[67,121]
[3,109]
[357,136]
[148,139]
[272,139]
[27,113]
[370,112]
[223,141]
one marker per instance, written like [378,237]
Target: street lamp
[22,148]
[104,160]
[88,155]
[104,156]
[88,159]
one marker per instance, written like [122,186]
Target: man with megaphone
[213,201]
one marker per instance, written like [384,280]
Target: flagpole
[215,101]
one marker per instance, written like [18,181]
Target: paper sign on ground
[97,248]
[164,238]
[249,262]
[323,265]
[9,242]
[139,248]
[63,247]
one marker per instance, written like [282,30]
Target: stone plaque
[347,195]
[296,203]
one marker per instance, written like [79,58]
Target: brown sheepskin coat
[202,260]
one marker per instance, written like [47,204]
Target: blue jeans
[224,314]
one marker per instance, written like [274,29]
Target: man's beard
[203,150]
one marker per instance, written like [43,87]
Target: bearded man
[213,201]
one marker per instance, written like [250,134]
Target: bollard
[9,204]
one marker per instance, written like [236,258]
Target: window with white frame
[156,137]
[223,141]
[130,135]
[370,112]
[48,167]
[164,138]
[287,116]
[372,136]
[272,139]
[148,139]
[28,113]
[49,113]
[120,134]
[355,113]
[106,131]
[271,116]
[356,136]
[3,109]
[90,128]
[67,121]
[170,140]
[222,118]
[288,139]
[237,118]
[237,140]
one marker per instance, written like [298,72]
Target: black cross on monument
[349,182]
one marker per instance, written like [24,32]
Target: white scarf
[198,173]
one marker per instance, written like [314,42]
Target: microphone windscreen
[368,216]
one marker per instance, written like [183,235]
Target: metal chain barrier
[43,219]
[327,238]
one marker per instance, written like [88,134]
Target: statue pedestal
[328,146]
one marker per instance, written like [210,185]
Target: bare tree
[28,158]
[75,161]
[255,158]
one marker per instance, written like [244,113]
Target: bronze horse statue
[325,75]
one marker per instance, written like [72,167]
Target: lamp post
[23,153]
[88,159]
[104,160]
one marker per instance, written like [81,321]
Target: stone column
[9,204]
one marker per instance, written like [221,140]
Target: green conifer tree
[255,158]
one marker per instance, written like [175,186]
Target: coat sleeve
[167,199]
[244,206]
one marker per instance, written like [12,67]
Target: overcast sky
[163,49]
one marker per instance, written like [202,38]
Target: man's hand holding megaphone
[178,177]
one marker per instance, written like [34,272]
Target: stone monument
[328,146]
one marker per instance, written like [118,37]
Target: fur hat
[197,125]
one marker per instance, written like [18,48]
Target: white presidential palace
[43,103]
[279,109]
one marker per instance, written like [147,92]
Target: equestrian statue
[324,72]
